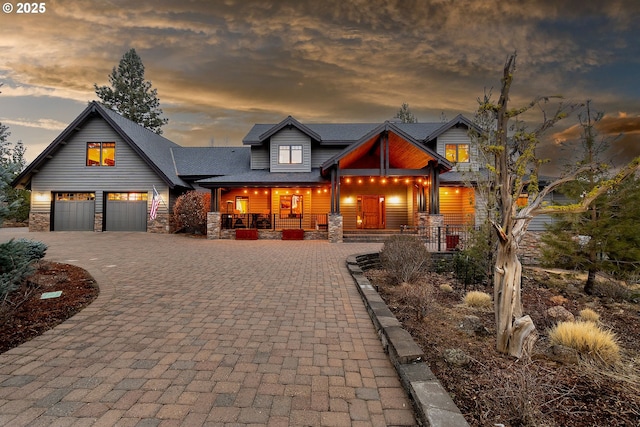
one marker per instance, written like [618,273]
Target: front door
[370,211]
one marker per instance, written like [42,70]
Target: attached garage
[125,211]
[74,211]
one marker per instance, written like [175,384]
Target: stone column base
[214,224]
[335,228]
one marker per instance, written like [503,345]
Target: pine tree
[405,115]
[131,95]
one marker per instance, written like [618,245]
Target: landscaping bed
[24,315]
[492,389]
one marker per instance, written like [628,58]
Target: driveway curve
[196,332]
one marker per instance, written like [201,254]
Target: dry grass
[589,315]
[477,299]
[588,339]
[445,287]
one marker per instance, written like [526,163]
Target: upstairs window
[101,153]
[457,153]
[290,154]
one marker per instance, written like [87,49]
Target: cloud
[47,124]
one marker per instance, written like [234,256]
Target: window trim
[102,148]
[447,147]
[288,150]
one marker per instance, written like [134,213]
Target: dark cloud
[220,66]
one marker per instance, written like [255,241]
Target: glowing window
[457,153]
[101,153]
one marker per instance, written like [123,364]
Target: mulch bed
[495,389]
[24,315]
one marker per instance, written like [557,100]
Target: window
[127,197]
[290,154]
[291,206]
[101,153]
[68,197]
[457,153]
[242,204]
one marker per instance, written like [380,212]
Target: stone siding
[214,223]
[335,229]
[159,225]
[39,222]
[529,250]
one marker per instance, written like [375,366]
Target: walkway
[198,332]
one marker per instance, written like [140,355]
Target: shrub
[589,315]
[445,287]
[16,257]
[477,299]
[190,212]
[588,339]
[403,257]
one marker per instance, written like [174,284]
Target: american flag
[155,202]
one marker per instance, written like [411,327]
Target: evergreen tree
[405,115]
[131,95]
[14,203]
[608,241]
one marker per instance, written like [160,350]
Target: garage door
[126,212]
[74,211]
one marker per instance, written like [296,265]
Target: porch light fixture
[42,197]
[359,181]
[347,180]
[394,200]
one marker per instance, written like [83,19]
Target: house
[100,172]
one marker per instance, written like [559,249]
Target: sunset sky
[221,66]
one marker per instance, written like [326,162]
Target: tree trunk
[591,280]
[514,331]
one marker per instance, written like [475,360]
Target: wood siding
[260,157]
[459,136]
[398,203]
[319,154]
[66,171]
[457,204]
[291,137]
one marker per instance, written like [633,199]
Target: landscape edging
[433,405]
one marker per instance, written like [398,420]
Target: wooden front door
[371,211]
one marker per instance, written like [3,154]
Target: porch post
[332,194]
[434,190]
[338,188]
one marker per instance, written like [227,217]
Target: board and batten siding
[290,137]
[459,136]
[66,171]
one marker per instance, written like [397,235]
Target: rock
[560,314]
[472,325]
[562,354]
[455,356]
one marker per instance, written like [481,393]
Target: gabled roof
[154,149]
[391,128]
[456,121]
[288,122]
[348,133]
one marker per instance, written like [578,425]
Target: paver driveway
[198,332]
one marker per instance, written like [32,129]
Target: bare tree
[515,169]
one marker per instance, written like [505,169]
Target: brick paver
[190,331]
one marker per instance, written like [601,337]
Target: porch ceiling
[402,154]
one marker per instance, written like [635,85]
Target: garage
[74,211]
[126,211]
